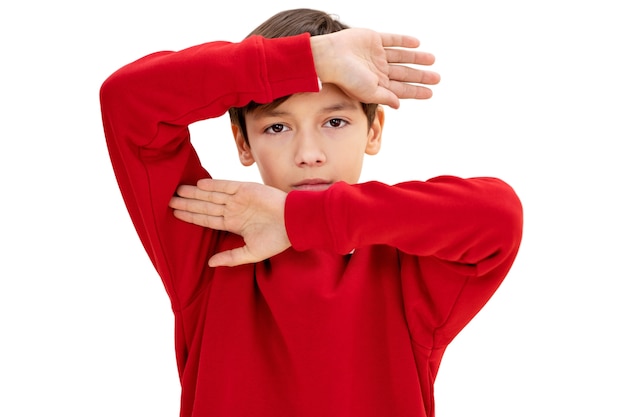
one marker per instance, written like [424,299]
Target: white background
[532,92]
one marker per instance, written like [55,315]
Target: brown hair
[291,23]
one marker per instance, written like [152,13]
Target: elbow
[506,219]
[121,109]
[112,93]
[511,221]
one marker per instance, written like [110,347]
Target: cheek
[351,151]
[270,164]
[351,164]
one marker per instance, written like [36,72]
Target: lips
[315,184]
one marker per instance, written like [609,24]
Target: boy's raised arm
[147,106]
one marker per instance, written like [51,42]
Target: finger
[221,186]
[397,40]
[413,75]
[187,191]
[406,56]
[404,90]
[191,192]
[197,206]
[204,220]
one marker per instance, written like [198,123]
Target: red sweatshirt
[319,330]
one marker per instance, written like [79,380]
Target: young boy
[310,294]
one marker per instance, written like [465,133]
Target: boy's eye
[276,128]
[336,122]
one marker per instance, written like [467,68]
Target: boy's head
[306,141]
[291,23]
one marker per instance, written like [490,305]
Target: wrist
[320,47]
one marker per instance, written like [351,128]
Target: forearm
[474,221]
[152,98]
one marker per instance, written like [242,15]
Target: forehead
[329,99]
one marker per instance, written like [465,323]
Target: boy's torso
[308,331]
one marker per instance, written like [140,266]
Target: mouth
[314,184]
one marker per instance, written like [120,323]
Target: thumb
[233,257]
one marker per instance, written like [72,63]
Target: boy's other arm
[465,222]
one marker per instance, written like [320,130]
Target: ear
[245,156]
[374,136]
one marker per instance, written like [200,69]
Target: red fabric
[319,330]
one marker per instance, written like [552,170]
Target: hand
[253,211]
[369,67]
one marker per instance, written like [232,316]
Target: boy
[310,294]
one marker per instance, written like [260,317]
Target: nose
[309,151]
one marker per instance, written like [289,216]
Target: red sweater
[317,330]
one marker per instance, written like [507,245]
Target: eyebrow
[342,105]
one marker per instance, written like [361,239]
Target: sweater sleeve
[147,107]
[466,221]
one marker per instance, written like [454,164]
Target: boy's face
[310,141]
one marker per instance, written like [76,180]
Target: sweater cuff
[305,220]
[320,220]
[290,66]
